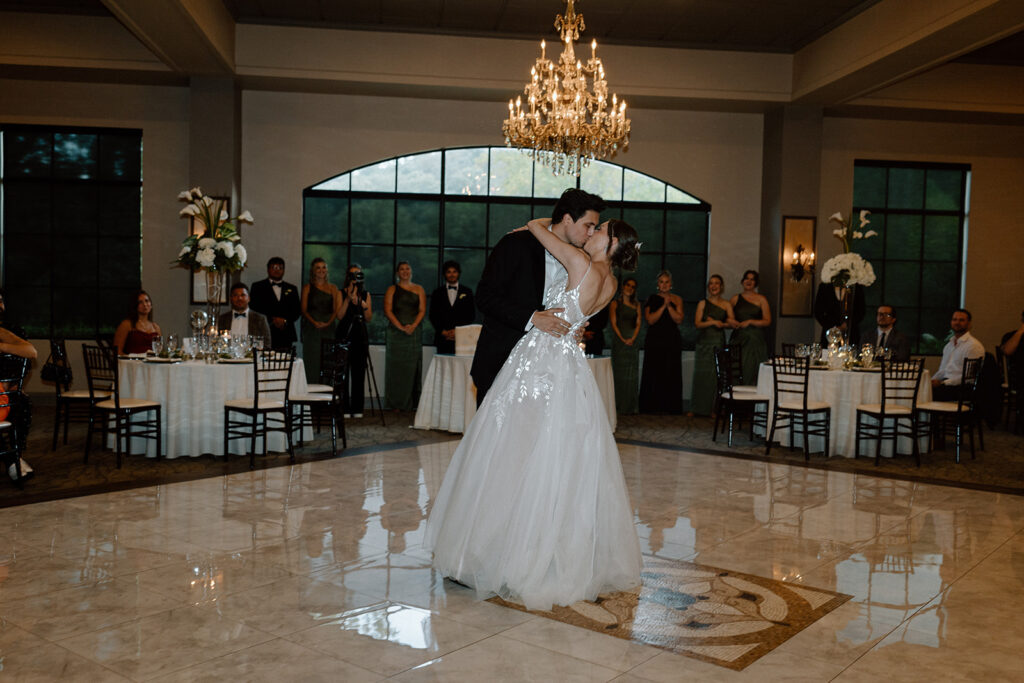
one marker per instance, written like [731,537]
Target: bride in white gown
[534,506]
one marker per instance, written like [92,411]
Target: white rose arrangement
[219,247]
[849,268]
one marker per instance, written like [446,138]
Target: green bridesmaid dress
[404,359]
[755,345]
[705,383]
[626,362]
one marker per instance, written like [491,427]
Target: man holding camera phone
[355,311]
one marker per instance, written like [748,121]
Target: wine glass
[198,321]
[157,345]
[173,343]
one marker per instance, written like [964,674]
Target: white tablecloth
[448,399]
[843,390]
[193,395]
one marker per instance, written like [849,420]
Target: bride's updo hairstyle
[627,254]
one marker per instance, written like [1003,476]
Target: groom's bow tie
[275,283]
[240,315]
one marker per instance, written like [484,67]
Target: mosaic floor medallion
[715,615]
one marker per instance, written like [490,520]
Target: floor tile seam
[965,574]
[118,622]
[654,650]
[874,645]
[192,653]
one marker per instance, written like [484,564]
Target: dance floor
[316,572]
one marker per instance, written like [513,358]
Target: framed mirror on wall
[798,266]
[197,290]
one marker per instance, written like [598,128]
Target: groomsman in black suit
[451,305]
[511,291]
[279,302]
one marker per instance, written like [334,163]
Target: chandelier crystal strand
[564,124]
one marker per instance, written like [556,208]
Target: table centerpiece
[848,269]
[216,248]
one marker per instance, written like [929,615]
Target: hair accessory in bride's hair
[638,245]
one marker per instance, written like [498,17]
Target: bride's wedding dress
[534,506]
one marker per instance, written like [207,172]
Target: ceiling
[780,26]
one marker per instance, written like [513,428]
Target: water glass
[816,351]
[257,343]
[158,345]
[188,347]
[173,343]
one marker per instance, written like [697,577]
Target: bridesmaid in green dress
[624,316]
[753,316]
[714,315]
[404,305]
[320,301]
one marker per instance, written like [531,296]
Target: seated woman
[15,405]
[135,334]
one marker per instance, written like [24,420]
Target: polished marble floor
[316,572]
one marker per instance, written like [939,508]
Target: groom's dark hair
[576,203]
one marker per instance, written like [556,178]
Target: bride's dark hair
[627,254]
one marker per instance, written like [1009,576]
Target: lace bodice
[558,296]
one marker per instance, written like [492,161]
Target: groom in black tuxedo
[511,290]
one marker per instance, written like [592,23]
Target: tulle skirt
[534,505]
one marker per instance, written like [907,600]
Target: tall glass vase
[214,295]
[846,309]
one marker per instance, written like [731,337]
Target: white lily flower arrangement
[849,268]
[218,247]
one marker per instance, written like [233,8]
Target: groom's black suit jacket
[511,289]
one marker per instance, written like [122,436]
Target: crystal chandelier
[565,125]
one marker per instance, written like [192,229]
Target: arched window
[457,203]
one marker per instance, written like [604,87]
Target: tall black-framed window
[71,227]
[920,211]
[457,203]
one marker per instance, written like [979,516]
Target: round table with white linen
[192,395]
[448,398]
[843,390]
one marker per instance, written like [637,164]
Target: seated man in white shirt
[946,381]
[240,321]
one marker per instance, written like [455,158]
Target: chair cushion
[319,388]
[877,408]
[83,394]
[129,403]
[746,396]
[941,406]
[797,405]
[312,398]
[247,404]
[752,388]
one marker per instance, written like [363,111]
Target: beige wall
[994,282]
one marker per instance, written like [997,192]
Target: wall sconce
[803,264]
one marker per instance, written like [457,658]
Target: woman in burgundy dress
[135,334]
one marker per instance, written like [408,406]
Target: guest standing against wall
[355,311]
[714,316]
[753,317]
[451,305]
[319,304]
[405,304]
[279,301]
[661,384]
[624,316]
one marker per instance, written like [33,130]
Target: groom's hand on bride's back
[548,321]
